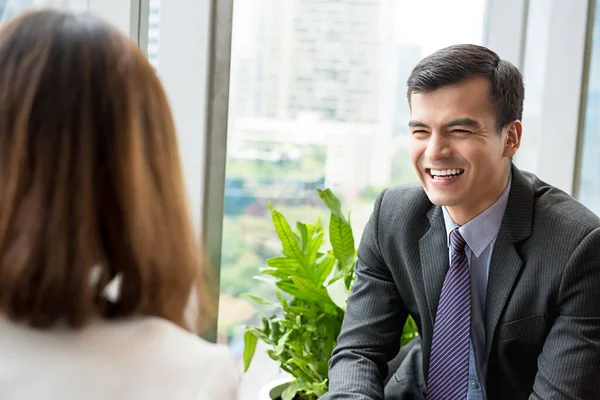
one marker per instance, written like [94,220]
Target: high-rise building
[153,32]
[10,8]
[408,55]
[321,61]
[331,59]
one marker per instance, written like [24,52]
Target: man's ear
[513,138]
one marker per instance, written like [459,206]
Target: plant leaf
[410,331]
[290,392]
[324,268]
[312,253]
[340,231]
[288,239]
[249,348]
[307,293]
[332,203]
[264,279]
[277,273]
[338,292]
[316,293]
[284,262]
[342,241]
[304,234]
[312,284]
[283,339]
[256,299]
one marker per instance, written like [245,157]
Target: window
[589,180]
[291,130]
[153,32]
[116,12]
[534,75]
[556,32]
[10,8]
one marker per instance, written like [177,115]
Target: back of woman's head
[90,180]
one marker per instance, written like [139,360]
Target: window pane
[534,75]
[10,8]
[153,32]
[589,179]
[317,100]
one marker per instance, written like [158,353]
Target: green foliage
[246,247]
[310,164]
[410,332]
[311,288]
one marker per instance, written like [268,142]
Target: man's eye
[419,131]
[460,131]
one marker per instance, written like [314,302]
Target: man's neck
[463,213]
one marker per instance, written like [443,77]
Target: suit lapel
[504,270]
[433,248]
[506,262]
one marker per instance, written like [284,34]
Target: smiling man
[499,270]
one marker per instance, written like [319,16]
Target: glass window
[153,32]
[317,100]
[534,75]
[589,178]
[10,8]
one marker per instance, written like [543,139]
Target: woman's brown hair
[91,186]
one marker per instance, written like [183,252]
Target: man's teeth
[446,172]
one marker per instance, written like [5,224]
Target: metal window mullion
[592,9]
[563,90]
[506,24]
[119,13]
[215,151]
[140,15]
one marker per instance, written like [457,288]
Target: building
[10,8]
[325,62]
[324,58]
[407,56]
[153,32]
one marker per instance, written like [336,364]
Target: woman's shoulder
[160,356]
[183,356]
[170,338]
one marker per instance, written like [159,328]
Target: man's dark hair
[457,63]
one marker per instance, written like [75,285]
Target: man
[500,270]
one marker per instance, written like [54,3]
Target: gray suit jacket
[543,298]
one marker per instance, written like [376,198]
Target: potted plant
[312,285]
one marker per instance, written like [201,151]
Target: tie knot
[457,242]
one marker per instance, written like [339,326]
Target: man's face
[460,157]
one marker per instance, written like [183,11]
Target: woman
[91,192]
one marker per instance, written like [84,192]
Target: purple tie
[449,362]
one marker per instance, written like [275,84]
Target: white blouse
[142,358]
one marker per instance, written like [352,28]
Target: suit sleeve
[372,326]
[569,367]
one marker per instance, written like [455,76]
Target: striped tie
[449,362]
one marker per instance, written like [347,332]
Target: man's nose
[438,147]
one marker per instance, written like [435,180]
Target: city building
[331,63]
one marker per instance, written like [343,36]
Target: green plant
[312,286]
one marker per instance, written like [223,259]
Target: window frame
[201,105]
[125,15]
[194,62]
[564,95]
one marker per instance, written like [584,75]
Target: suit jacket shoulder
[552,204]
[558,222]
[402,208]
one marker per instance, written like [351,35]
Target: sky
[432,24]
